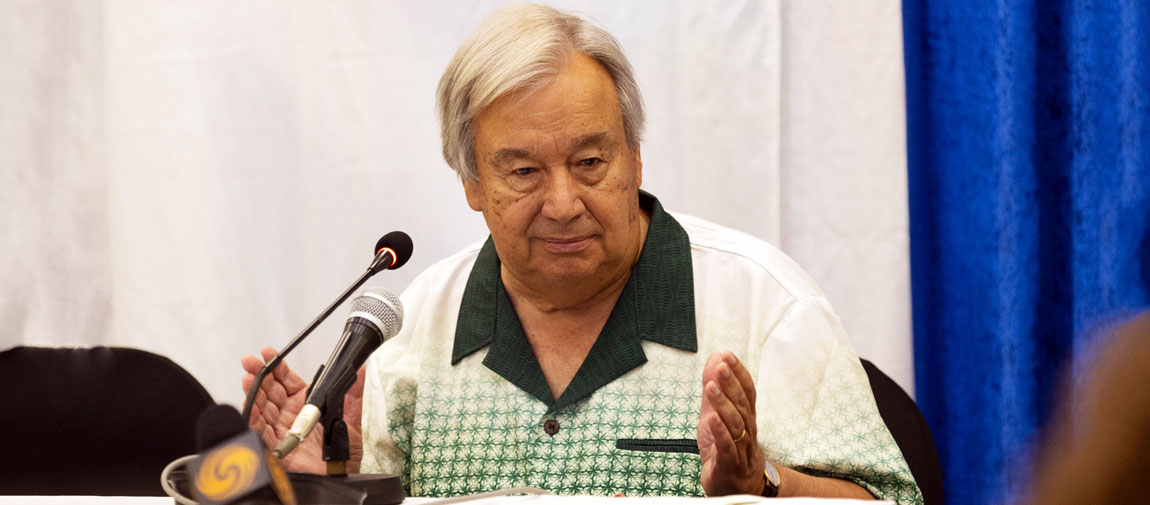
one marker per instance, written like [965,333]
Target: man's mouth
[566,244]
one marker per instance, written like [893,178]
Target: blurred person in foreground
[595,343]
[1097,449]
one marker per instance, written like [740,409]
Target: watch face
[771,487]
[773,474]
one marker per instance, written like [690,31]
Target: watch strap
[770,484]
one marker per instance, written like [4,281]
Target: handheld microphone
[376,316]
[234,467]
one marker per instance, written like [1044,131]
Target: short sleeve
[815,409]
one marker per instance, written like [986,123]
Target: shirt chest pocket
[657,466]
[675,445]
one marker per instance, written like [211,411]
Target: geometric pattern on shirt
[841,422]
[467,430]
[475,432]
[452,430]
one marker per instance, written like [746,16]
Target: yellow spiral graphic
[280,480]
[227,472]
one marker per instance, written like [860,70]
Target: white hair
[524,47]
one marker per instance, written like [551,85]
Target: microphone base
[311,489]
[355,489]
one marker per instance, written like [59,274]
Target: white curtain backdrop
[200,178]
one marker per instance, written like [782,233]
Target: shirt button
[551,426]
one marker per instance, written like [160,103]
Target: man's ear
[638,167]
[474,195]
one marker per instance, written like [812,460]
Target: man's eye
[590,162]
[523,171]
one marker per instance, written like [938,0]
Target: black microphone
[376,316]
[391,251]
[234,467]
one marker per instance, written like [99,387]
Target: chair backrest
[99,421]
[910,432]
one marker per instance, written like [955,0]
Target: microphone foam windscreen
[217,424]
[399,242]
[383,305]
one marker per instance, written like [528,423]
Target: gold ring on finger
[744,435]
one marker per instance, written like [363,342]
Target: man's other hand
[279,400]
[733,462]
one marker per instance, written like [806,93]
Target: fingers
[726,411]
[356,390]
[246,381]
[256,420]
[272,394]
[281,371]
[730,391]
[704,436]
[710,372]
[275,392]
[269,418]
[728,455]
[743,376]
[727,433]
[272,390]
[251,364]
[291,381]
[735,392]
[729,394]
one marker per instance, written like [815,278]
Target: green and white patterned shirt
[457,403]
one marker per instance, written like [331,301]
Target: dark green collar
[657,304]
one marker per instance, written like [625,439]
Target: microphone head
[399,243]
[383,306]
[217,424]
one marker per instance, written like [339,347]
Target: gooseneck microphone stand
[336,447]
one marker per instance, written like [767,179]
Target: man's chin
[568,274]
[569,269]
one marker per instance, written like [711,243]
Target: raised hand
[733,462]
[279,400]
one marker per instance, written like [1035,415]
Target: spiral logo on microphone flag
[227,472]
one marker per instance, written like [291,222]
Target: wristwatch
[770,481]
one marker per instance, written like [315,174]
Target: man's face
[558,185]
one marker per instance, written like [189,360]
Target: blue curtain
[1029,175]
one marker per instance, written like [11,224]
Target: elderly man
[566,351]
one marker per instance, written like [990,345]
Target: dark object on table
[357,489]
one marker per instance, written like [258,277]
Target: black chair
[99,421]
[910,432]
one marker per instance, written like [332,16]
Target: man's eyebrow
[508,154]
[590,139]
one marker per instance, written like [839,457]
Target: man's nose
[563,200]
